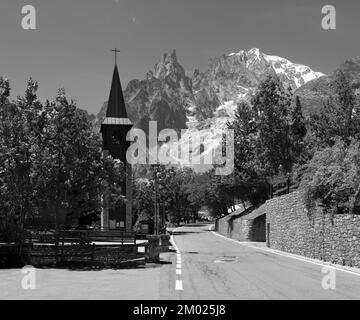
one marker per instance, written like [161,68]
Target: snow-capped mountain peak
[299,72]
[290,73]
[255,52]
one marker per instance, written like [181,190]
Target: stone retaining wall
[241,225]
[293,229]
[290,228]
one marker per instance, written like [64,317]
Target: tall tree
[249,181]
[245,134]
[73,166]
[340,117]
[271,105]
[297,131]
[20,130]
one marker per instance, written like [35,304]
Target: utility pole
[163,215]
[156,214]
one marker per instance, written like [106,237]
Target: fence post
[56,246]
[92,252]
[288,184]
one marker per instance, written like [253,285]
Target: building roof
[117,121]
[116,104]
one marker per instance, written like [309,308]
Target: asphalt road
[216,268]
[205,266]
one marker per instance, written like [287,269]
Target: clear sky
[72,43]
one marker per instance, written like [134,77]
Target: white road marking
[173,242]
[178,285]
[289,255]
[178,282]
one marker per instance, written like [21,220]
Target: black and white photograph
[179,155]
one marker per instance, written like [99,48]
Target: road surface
[205,266]
[216,268]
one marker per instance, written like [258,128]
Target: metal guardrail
[281,186]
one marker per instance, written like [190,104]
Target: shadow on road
[118,266]
[184,232]
[193,225]
[198,224]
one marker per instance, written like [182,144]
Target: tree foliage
[50,161]
[271,108]
[340,117]
[269,140]
[333,178]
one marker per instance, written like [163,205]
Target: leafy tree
[20,131]
[8,201]
[173,187]
[196,192]
[173,183]
[50,161]
[143,204]
[4,91]
[219,194]
[268,136]
[332,178]
[73,166]
[340,116]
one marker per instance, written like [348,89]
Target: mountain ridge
[174,99]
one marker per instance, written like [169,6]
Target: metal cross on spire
[116,51]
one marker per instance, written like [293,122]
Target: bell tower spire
[116,104]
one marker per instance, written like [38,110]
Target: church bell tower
[114,130]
